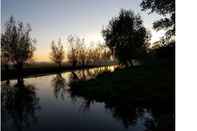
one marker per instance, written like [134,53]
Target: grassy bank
[143,83]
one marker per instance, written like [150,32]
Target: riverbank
[143,83]
[45,69]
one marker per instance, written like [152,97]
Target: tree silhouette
[57,53]
[125,35]
[17,43]
[72,55]
[81,52]
[165,8]
[76,54]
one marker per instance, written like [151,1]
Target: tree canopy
[125,35]
[166,8]
[16,42]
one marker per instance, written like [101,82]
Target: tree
[17,42]
[165,8]
[125,35]
[76,54]
[72,58]
[57,53]
[82,56]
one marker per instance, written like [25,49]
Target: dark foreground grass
[143,83]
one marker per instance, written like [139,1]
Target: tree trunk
[74,63]
[60,66]
[19,68]
[8,73]
[83,63]
[131,63]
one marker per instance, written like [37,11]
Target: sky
[54,19]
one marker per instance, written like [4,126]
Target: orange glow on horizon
[41,58]
[43,54]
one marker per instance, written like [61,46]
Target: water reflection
[129,114]
[134,115]
[19,106]
[60,86]
[86,74]
[89,111]
[137,116]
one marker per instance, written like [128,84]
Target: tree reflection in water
[19,106]
[153,116]
[60,86]
[86,74]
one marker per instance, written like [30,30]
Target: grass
[143,83]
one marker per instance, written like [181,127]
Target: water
[45,104]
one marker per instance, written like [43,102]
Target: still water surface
[45,104]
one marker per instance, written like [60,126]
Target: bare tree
[76,52]
[72,58]
[57,54]
[80,54]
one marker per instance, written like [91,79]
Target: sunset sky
[54,19]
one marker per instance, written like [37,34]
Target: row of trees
[78,53]
[125,37]
[17,49]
